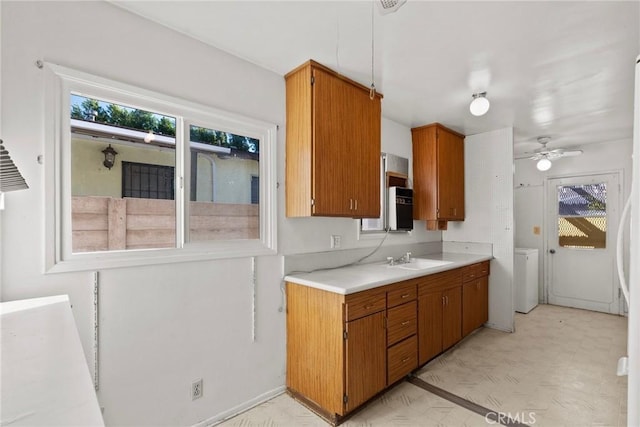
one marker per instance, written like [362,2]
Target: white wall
[306,235]
[162,326]
[166,325]
[530,191]
[489,215]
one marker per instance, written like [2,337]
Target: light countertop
[361,277]
[45,377]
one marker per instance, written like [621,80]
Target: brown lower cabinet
[342,350]
[439,313]
[475,297]
[366,359]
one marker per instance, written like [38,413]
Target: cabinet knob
[405,323]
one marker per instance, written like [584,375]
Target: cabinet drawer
[401,294]
[440,281]
[364,303]
[402,322]
[483,269]
[402,358]
[472,272]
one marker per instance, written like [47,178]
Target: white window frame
[60,82]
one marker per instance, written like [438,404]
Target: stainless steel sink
[421,264]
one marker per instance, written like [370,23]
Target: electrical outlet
[336,241]
[196,389]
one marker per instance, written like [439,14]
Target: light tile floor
[558,369]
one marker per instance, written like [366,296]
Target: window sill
[147,257]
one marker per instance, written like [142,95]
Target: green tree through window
[89,109]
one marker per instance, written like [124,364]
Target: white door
[583,219]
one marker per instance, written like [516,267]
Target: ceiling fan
[390,6]
[544,156]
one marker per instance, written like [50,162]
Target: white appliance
[400,208]
[526,279]
[630,365]
[633,345]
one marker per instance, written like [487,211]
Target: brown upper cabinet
[438,175]
[333,145]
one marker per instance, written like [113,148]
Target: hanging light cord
[338,39]
[372,91]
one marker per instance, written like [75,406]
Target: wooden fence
[107,223]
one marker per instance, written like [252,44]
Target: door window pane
[225,170]
[582,216]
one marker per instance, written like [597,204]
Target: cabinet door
[450,176]
[452,317]
[331,168]
[470,306]
[364,154]
[429,326]
[483,298]
[425,185]
[475,304]
[366,359]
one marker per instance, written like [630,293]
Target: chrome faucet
[404,259]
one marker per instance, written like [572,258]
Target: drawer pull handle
[472,275]
[405,296]
[406,359]
[368,306]
[405,323]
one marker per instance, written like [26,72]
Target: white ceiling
[563,69]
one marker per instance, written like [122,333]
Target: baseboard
[236,410]
[498,328]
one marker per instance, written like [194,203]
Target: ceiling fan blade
[571,153]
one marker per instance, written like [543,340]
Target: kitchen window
[138,177]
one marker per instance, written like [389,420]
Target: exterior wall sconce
[109,157]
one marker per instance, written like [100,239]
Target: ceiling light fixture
[479,104]
[543,164]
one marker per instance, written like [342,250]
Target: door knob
[552,251]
